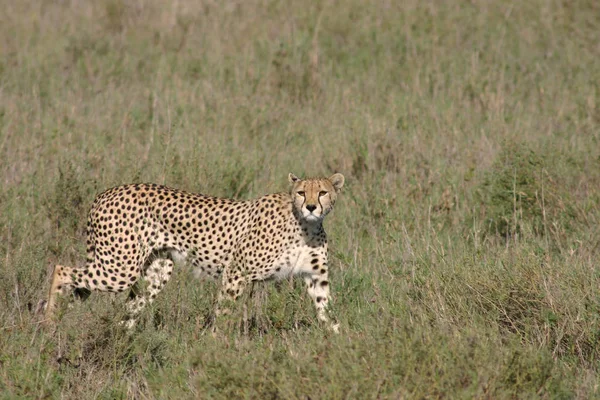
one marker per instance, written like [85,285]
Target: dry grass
[420,104]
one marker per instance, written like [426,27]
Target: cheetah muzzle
[139,230]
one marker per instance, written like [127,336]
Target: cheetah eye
[322,193]
[301,193]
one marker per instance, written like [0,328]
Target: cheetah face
[314,198]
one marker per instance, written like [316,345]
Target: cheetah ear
[337,180]
[293,178]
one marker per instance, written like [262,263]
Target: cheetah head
[314,198]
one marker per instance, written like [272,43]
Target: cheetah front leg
[318,290]
[233,284]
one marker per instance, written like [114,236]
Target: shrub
[522,191]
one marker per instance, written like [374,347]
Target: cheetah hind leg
[142,293]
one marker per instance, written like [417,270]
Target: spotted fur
[138,231]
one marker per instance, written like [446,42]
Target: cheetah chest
[294,261]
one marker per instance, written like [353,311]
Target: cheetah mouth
[312,217]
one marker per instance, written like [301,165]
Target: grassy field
[464,247]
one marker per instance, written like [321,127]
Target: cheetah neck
[310,230]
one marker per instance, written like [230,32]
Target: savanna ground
[464,248]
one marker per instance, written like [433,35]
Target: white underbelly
[291,263]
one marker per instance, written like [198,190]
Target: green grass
[464,247]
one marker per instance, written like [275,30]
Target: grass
[464,247]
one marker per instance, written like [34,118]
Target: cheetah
[135,232]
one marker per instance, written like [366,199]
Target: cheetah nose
[311,207]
